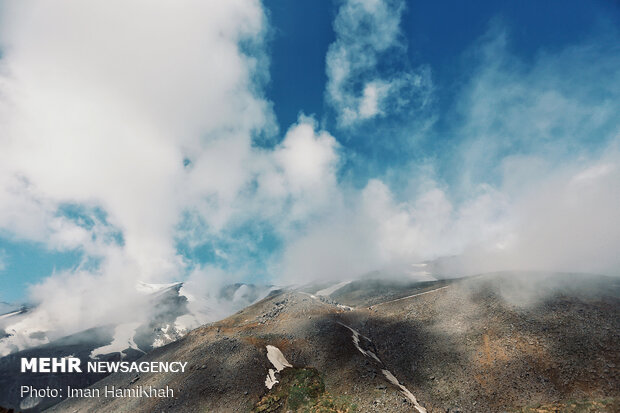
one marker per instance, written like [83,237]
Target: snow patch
[388,375]
[146,288]
[330,290]
[278,361]
[409,296]
[356,342]
[10,314]
[123,340]
[29,402]
[276,358]
[165,336]
[271,380]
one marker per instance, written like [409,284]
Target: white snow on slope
[14,313]
[409,296]
[123,339]
[168,334]
[29,402]
[271,380]
[388,375]
[278,361]
[356,342]
[332,289]
[146,288]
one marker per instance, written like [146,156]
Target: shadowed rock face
[472,346]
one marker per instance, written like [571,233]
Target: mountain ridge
[462,346]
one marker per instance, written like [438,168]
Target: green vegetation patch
[301,390]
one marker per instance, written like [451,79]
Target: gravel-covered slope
[476,345]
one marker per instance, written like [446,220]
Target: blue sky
[289,141]
[439,33]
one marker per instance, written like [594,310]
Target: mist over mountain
[473,344]
[169,317]
[504,157]
[167,168]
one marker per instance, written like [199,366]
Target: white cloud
[545,134]
[367,35]
[535,166]
[594,173]
[307,159]
[100,108]
[557,107]
[149,114]
[372,230]
[557,222]
[373,94]
[308,162]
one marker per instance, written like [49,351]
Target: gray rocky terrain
[493,343]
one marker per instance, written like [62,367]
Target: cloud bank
[131,138]
[526,182]
[128,135]
[128,119]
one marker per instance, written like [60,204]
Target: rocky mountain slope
[169,318]
[494,343]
